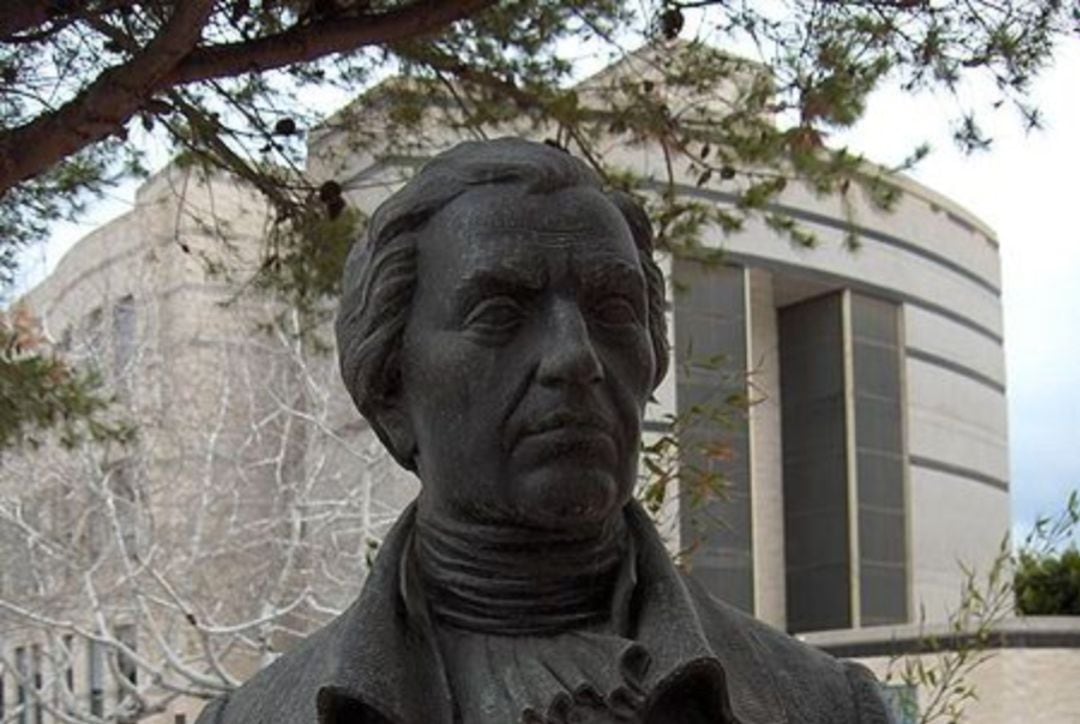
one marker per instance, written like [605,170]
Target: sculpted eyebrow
[482,283]
[613,275]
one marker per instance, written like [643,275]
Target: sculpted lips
[568,431]
[582,419]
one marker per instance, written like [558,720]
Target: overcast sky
[1026,188]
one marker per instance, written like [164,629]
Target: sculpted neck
[512,580]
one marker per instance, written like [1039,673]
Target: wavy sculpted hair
[380,275]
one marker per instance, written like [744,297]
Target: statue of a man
[502,329]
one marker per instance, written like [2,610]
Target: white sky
[1026,188]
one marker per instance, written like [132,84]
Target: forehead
[503,225]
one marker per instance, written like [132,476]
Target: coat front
[374,664]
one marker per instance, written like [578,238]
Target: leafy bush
[1049,585]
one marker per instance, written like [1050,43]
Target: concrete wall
[766,469]
[1029,674]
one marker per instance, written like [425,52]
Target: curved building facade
[873,459]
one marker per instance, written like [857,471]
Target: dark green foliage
[40,393]
[1047,578]
[1050,585]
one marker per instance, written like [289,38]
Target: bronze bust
[502,329]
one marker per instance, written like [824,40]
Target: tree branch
[304,43]
[20,15]
[103,107]
[172,58]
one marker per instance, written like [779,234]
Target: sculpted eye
[498,314]
[615,310]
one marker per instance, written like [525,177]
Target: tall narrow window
[123,322]
[38,681]
[22,679]
[69,671]
[93,340]
[95,670]
[125,663]
[3,682]
[876,364]
[125,501]
[844,501]
[714,454]
[814,432]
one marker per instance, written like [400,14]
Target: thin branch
[304,43]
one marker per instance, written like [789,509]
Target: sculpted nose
[568,356]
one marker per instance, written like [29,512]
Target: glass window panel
[819,598]
[881,537]
[711,343]
[883,593]
[877,371]
[873,319]
[816,539]
[707,288]
[699,403]
[726,524]
[878,432]
[877,424]
[817,374]
[812,323]
[815,483]
[814,428]
[881,479]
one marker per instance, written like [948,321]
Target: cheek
[449,382]
[637,368]
[630,375]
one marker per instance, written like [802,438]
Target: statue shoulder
[282,693]
[811,685]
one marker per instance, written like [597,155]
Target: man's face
[527,362]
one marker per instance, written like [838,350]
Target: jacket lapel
[670,628]
[386,665]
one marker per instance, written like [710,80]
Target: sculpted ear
[394,428]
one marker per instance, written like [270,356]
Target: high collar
[388,663]
[508,580]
